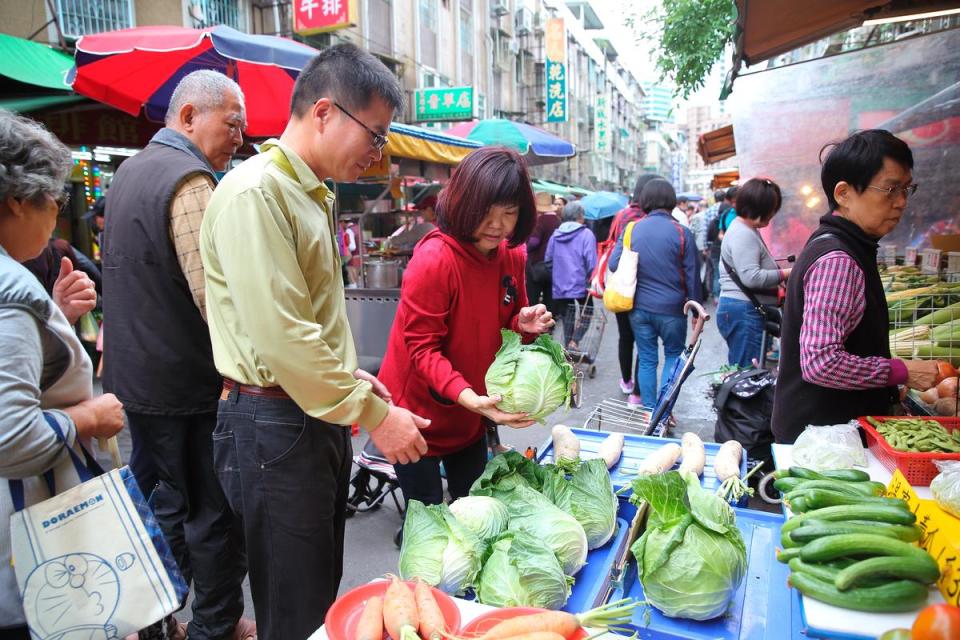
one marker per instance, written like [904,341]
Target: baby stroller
[372,482]
[616,415]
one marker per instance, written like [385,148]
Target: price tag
[910,256]
[887,254]
[930,261]
[940,537]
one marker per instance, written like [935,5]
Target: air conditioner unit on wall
[498,9]
[523,21]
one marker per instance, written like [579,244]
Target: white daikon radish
[611,448]
[660,460]
[727,463]
[694,456]
[566,445]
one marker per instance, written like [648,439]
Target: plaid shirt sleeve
[834,305]
[186,214]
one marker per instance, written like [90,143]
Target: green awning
[33,63]
[557,189]
[25,104]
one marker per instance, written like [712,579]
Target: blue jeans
[648,327]
[742,327]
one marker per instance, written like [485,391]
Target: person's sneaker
[626,386]
[634,400]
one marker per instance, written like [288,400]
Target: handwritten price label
[940,537]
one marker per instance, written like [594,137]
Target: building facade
[700,120]
[497,48]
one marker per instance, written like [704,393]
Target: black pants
[141,460]
[564,313]
[195,518]
[625,346]
[538,292]
[421,480]
[286,476]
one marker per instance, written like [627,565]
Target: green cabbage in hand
[691,559]
[487,517]
[438,549]
[521,572]
[530,378]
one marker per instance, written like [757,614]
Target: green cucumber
[816,529]
[853,544]
[787,484]
[871,512]
[853,488]
[818,571]
[921,568]
[846,475]
[786,555]
[820,498]
[893,597]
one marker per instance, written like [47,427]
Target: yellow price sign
[940,537]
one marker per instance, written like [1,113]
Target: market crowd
[227,351]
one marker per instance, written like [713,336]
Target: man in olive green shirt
[278,325]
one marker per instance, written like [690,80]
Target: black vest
[157,354]
[798,403]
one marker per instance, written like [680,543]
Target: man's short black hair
[348,75]
[731,194]
[859,158]
[719,195]
[658,194]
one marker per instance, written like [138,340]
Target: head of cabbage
[588,496]
[521,572]
[530,378]
[485,516]
[438,549]
[691,559]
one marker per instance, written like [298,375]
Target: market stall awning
[535,145]
[771,27]
[32,75]
[725,179]
[417,143]
[714,146]
[556,188]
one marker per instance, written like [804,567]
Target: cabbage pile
[521,572]
[691,559]
[588,496]
[530,378]
[486,517]
[438,549]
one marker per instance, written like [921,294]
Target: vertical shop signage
[319,16]
[556,70]
[601,125]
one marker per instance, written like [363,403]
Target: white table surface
[824,617]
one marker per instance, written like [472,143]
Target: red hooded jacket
[453,302]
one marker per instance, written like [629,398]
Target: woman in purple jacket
[572,250]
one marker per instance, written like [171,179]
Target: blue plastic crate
[635,449]
[762,608]
[594,581]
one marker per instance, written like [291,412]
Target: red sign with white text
[318,16]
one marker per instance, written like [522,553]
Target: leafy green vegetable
[691,559]
[521,572]
[438,549]
[485,516]
[588,496]
[530,378]
[506,471]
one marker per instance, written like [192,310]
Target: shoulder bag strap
[747,292]
[683,250]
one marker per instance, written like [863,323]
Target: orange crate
[917,468]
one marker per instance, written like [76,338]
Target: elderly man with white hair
[157,353]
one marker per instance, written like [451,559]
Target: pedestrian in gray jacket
[44,370]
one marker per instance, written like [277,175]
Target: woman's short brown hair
[758,199]
[487,177]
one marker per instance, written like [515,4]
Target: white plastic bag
[835,446]
[945,487]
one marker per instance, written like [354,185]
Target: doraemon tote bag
[91,562]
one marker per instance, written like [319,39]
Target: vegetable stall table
[821,620]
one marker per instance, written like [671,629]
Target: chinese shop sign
[556,70]
[455,103]
[319,16]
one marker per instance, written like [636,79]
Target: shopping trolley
[583,327]
[617,415]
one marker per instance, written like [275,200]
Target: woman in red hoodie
[463,285]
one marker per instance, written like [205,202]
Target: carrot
[370,625]
[562,623]
[432,624]
[400,611]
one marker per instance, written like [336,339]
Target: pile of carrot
[406,614]
[560,625]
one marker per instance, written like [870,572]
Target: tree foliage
[692,35]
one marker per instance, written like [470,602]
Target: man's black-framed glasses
[379,140]
[893,192]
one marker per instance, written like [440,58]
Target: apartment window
[466,42]
[428,32]
[207,13]
[379,18]
[80,17]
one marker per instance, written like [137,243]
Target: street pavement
[369,548]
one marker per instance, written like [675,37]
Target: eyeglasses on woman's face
[893,193]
